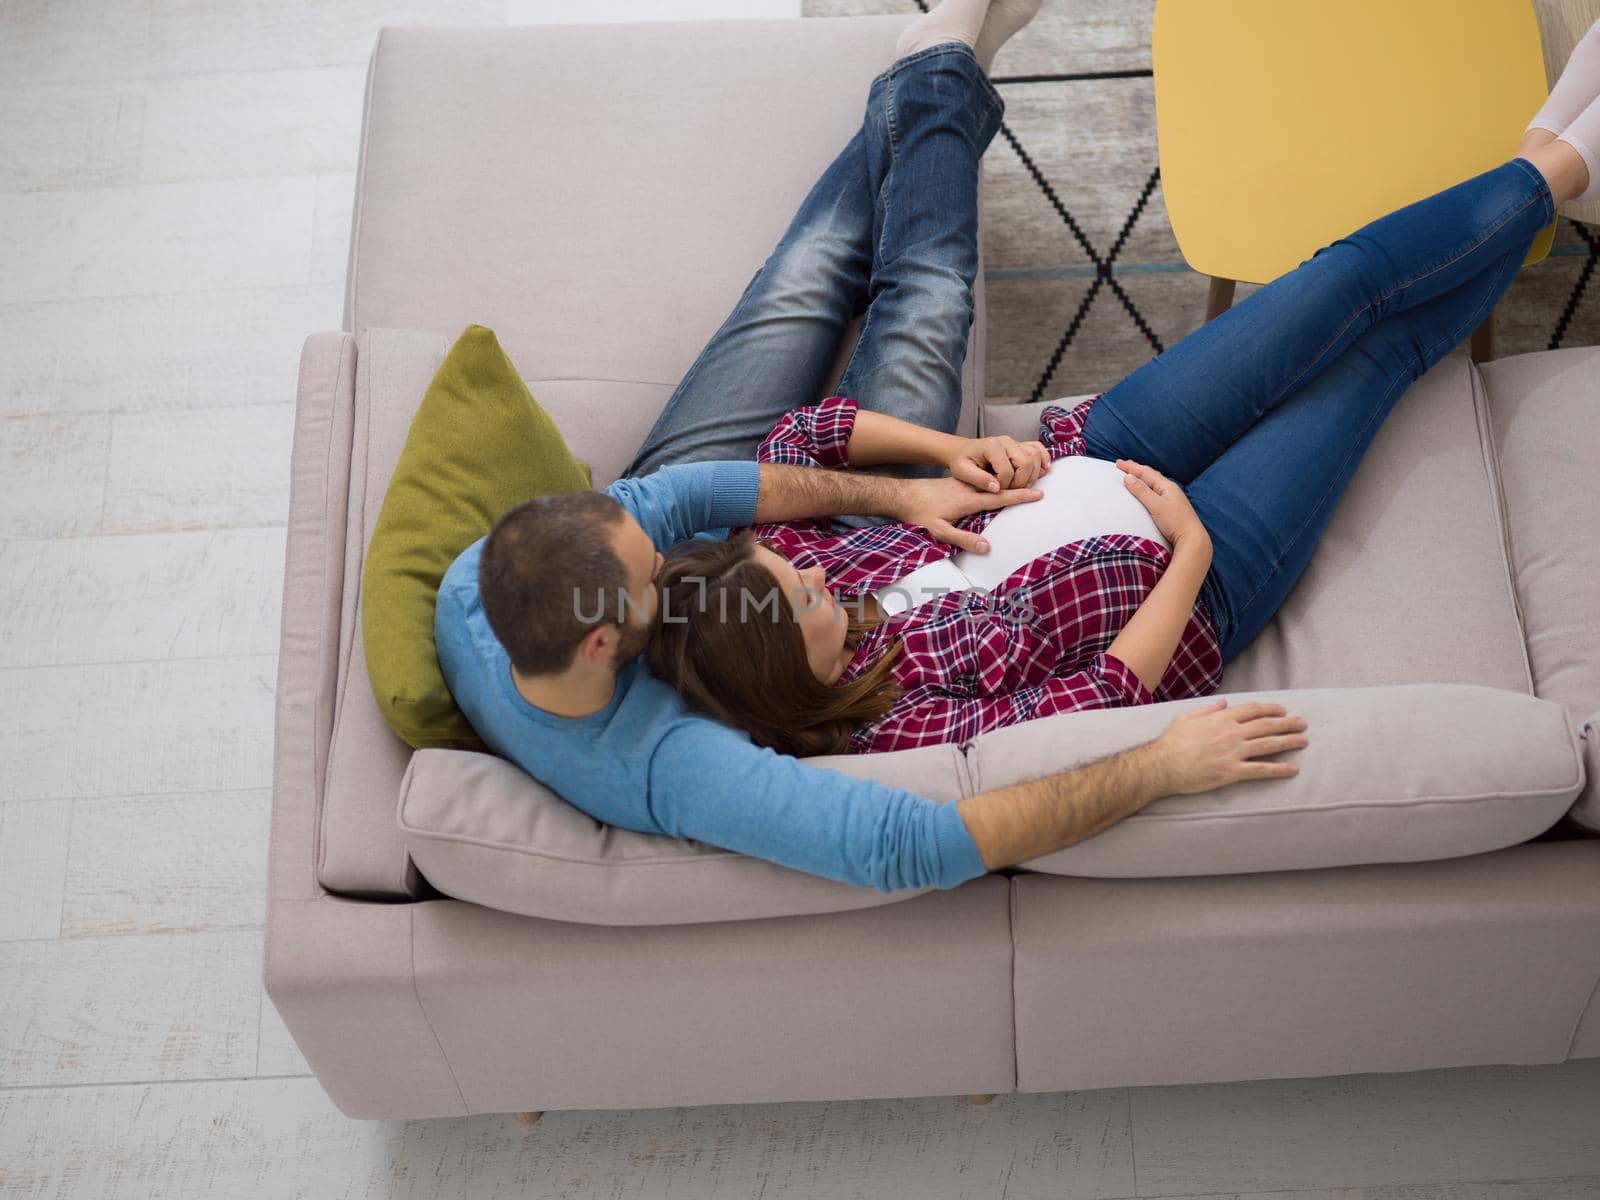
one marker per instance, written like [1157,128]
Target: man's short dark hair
[548,575]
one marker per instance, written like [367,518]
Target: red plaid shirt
[972,661]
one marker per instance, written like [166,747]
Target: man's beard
[635,636]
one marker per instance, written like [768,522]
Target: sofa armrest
[1586,811]
[1402,773]
[313,585]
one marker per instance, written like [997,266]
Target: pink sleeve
[1061,429]
[816,435]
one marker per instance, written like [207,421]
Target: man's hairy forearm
[1013,824]
[788,493]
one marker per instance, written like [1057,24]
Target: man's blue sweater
[646,762]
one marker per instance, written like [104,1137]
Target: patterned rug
[1084,281]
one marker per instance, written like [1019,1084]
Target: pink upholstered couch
[444,936]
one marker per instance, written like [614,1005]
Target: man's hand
[936,504]
[1213,745]
[993,464]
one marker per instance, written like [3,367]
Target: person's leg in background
[1267,499]
[1182,409]
[775,348]
[773,351]
[929,119]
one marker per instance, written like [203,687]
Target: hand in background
[937,504]
[996,463]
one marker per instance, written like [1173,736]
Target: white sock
[1004,19]
[951,21]
[1579,84]
[1583,135]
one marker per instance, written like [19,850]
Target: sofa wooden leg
[528,1118]
[981,1097]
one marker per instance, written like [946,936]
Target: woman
[1238,442]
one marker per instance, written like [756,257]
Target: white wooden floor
[175,186]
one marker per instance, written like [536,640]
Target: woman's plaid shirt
[972,661]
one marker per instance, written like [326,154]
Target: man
[563,692]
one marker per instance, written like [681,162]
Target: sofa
[445,937]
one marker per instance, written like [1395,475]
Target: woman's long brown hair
[723,641]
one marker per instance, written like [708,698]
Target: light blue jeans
[1261,415]
[890,229]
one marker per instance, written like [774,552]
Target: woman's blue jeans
[890,229]
[1263,414]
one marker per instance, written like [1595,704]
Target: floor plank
[1422,1127]
[140,728]
[331,232]
[276,1053]
[178,350]
[105,1010]
[198,469]
[234,126]
[178,595]
[163,237]
[282,1137]
[55,468]
[1584,1187]
[188,863]
[69,135]
[33,867]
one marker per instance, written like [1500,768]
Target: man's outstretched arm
[1203,748]
[710,783]
[790,493]
[680,501]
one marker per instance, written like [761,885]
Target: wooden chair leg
[981,1097]
[528,1118]
[1219,297]
[1482,346]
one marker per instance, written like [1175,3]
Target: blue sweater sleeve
[711,783]
[680,501]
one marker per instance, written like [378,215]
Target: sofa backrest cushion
[479,444]
[1403,773]
[481,829]
[1544,418]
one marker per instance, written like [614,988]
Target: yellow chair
[1282,125]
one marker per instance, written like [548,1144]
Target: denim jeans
[1263,414]
[889,229]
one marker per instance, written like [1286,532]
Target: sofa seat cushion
[1403,773]
[1544,414]
[1410,582]
[481,829]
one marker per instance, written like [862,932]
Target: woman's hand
[1170,508]
[993,464]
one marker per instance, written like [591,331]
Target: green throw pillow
[478,445]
